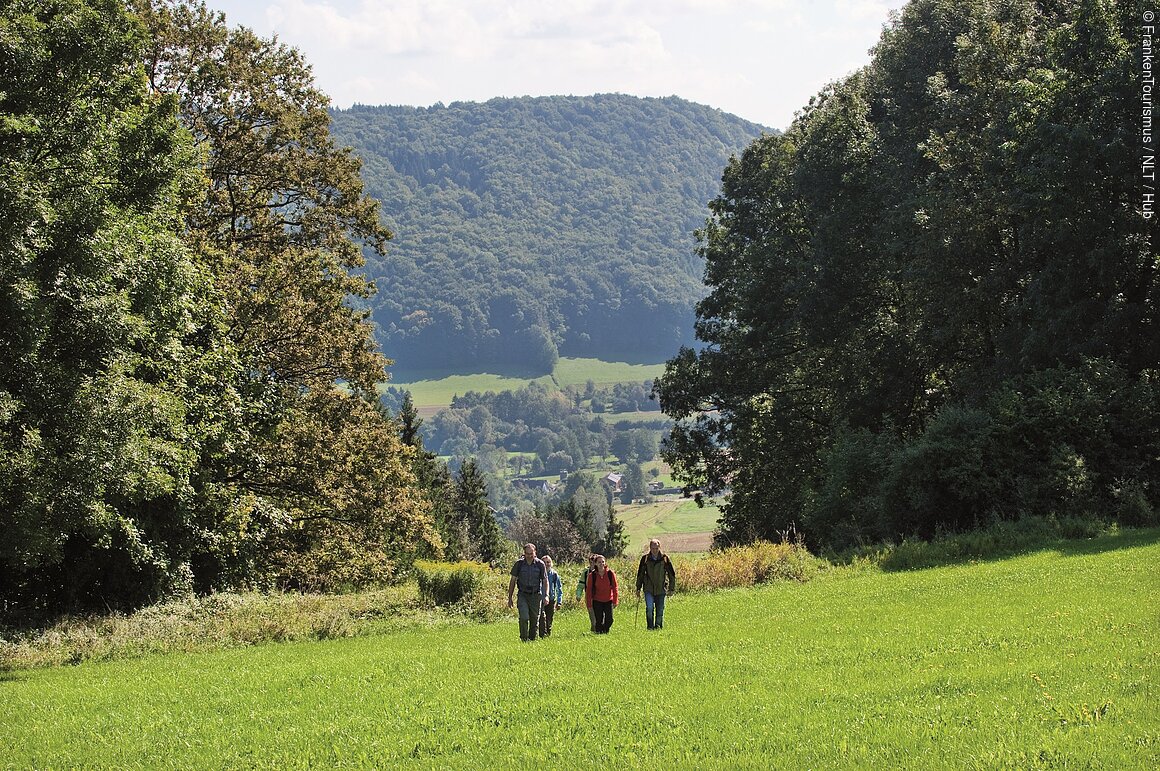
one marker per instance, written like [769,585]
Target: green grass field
[680,524]
[436,393]
[578,372]
[1047,660]
[432,395]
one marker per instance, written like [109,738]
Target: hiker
[602,595]
[657,577]
[531,576]
[582,590]
[555,597]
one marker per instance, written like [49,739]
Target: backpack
[591,580]
[669,571]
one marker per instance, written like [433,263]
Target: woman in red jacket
[601,594]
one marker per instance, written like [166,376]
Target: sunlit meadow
[1043,660]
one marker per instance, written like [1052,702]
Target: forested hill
[527,228]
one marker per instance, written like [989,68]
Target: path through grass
[1048,660]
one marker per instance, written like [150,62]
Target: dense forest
[933,301]
[535,227]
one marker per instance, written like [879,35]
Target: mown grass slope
[1046,660]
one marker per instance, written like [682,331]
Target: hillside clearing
[681,525]
[1044,660]
[435,393]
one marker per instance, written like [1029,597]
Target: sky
[761,60]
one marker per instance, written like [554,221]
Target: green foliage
[100,302]
[533,227]
[615,539]
[1045,445]
[933,299]
[484,541]
[316,471]
[452,583]
[756,563]
[179,240]
[996,541]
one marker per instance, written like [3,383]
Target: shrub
[1001,539]
[1132,507]
[757,563]
[213,622]
[1077,443]
[451,583]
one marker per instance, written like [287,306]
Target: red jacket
[601,589]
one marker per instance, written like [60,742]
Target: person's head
[654,547]
[592,560]
[548,561]
[601,563]
[529,551]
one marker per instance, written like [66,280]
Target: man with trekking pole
[656,577]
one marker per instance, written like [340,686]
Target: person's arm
[580,583]
[589,587]
[672,576]
[511,589]
[544,588]
[615,593]
[640,573]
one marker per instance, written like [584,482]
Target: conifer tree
[485,541]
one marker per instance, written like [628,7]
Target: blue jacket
[555,587]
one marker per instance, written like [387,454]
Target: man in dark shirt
[531,576]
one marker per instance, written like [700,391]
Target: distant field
[430,396]
[1042,661]
[434,394]
[603,373]
[681,525]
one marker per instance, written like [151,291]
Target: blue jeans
[652,603]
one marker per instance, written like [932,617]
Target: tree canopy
[933,300]
[189,396]
[532,227]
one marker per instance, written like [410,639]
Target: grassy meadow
[434,393]
[1043,660]
[679,523]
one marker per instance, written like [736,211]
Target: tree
[937,238]
[485,541]
[554,536]
[598,266]
[635,487]
[410,422]
[280,229]
[99,302]
[615,540]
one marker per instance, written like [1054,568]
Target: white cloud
[760,59]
